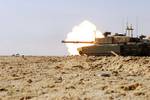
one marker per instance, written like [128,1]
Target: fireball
[86,31]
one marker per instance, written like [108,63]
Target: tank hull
[116,49]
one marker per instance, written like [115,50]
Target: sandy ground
[75,78]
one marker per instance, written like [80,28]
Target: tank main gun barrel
[87,42]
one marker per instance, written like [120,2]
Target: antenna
[122,27]
[131,30]
[137,26]
[126,30]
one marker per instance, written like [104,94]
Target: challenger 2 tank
[118,44]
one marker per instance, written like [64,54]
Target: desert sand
[74,78]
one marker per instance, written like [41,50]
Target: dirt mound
[74,78]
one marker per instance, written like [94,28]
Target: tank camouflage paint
[118,44]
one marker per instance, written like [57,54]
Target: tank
[118,45]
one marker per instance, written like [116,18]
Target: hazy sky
[36,27]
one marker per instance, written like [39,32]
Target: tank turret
[118,44]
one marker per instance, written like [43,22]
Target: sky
[36,27]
